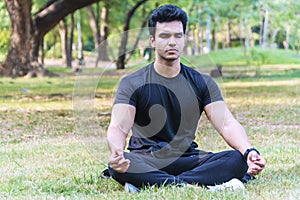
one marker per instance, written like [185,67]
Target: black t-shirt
[167,109]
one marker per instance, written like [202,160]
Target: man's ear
[152,41]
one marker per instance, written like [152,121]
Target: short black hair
[167,13]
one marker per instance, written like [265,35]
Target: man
[162,103]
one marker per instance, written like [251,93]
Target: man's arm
[122,119]
[233,133]
[229,128]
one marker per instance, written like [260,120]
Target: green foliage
[257,59]
[221,12]
[88,45]
[54,51]
[4,30]
[5,20]
[36,5]
[4,41]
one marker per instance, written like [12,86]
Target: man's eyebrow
[169,33]
[164,33]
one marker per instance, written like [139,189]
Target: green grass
[54,147]
[237,57]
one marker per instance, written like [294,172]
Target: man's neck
[167,69]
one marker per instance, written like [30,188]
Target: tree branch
[56,10]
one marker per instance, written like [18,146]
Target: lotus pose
[161,105]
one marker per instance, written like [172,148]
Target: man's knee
[238,164]
[117,176]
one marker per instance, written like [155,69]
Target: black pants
[203,169]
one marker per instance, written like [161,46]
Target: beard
[169,58]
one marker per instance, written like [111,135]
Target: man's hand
[118,163]
[255,163]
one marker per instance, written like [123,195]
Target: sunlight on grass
[236,57]
[58,165]
[237,84]
[50,150]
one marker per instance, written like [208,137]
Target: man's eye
[179,35]
[164,35]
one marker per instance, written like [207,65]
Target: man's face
[169,40]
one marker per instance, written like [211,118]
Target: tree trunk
[63,32]
[241,36]
[214,39]
[266,25]
[102,46]
[18,60]
[94,26]
[287,37]
[214,34]
[54,47]
[70,44]
[261,29]
[102,51]
[144,23]
[42,54]
[298,39]
[273,37]
[208,24]
[27,33]
[201,39]
[79,41]
[247,33]
[196,45]
[122,48]
[228,35]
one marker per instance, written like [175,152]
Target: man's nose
[172,41]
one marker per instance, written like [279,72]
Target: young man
[162,103]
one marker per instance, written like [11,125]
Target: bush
[257,59]
[88,45]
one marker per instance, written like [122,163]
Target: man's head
[167,13]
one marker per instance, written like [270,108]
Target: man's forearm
[235,135]
[116,139]
[121,122]
[230,129]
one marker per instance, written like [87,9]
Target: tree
[104,32]
[63,32]
[70,41]
[100,34]
[94,21]
[122,48]
[265,42]
[27,33]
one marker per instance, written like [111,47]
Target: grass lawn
[52,136]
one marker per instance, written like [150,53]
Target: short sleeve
[126,93]
[212,92]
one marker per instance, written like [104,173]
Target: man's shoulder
[194,73]
[139,73]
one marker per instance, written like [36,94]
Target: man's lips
[171,50]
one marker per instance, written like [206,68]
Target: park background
[62,60]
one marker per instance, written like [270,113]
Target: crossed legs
[204,170]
